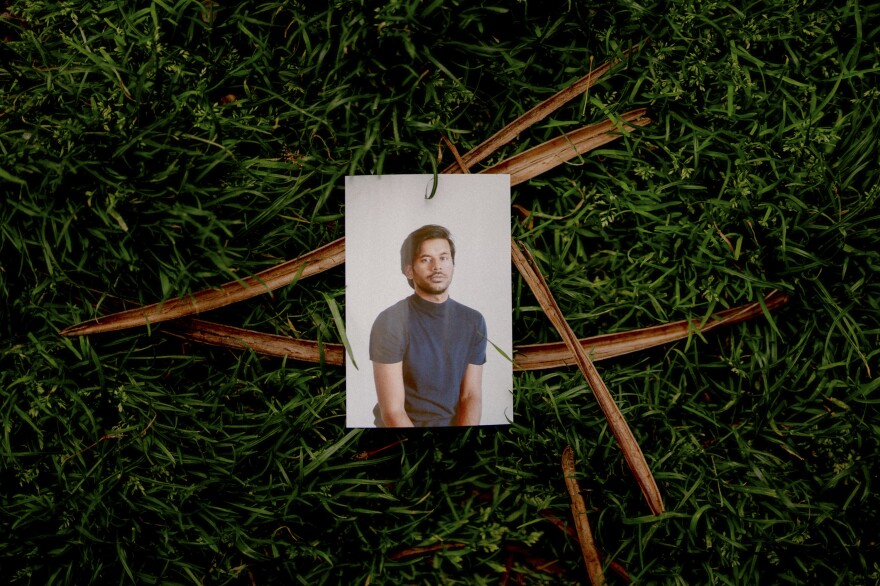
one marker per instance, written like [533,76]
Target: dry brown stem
[557,354]
[579,512]
[527,357]
[224,336]
[531,163]
[319,260]
[536,114]
[619,427]
[413,552]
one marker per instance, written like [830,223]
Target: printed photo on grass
[428,301]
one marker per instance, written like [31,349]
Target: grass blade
[340,326]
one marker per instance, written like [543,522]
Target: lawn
[149,151]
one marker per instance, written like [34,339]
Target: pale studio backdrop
[380,211]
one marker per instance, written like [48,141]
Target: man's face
[432,267]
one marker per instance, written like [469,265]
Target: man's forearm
[470,398]
[391,394]
[469,411]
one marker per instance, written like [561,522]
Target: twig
[370,453]
[424,550]
[458,160]
[87,448]
[522,554]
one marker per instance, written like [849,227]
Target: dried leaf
[619,427]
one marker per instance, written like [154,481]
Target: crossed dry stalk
[520,167]
[622,433]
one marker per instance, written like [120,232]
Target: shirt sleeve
[478,349]
[388,338]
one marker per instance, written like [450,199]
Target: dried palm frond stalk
[317,261]
[602,347]
[536,114]
[526,357]
[581,523]
[619,427]
[214,334]
[531,163]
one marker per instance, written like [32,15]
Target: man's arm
[389,388]
[470,399]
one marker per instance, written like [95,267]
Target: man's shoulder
[394,312]
[398,307]
[465,311]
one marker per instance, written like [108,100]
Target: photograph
[428,301]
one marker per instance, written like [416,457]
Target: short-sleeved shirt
[436,342]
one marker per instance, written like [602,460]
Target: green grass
[147,152]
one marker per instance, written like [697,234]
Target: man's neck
[433,297]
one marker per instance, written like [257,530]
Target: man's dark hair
[413,244]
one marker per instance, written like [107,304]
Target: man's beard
[428,286]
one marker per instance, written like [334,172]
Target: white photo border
[380,211]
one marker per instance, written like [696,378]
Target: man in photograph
[428,350]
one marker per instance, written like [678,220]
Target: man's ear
[407,271]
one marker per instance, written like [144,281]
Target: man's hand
[389,388]
[470,399]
